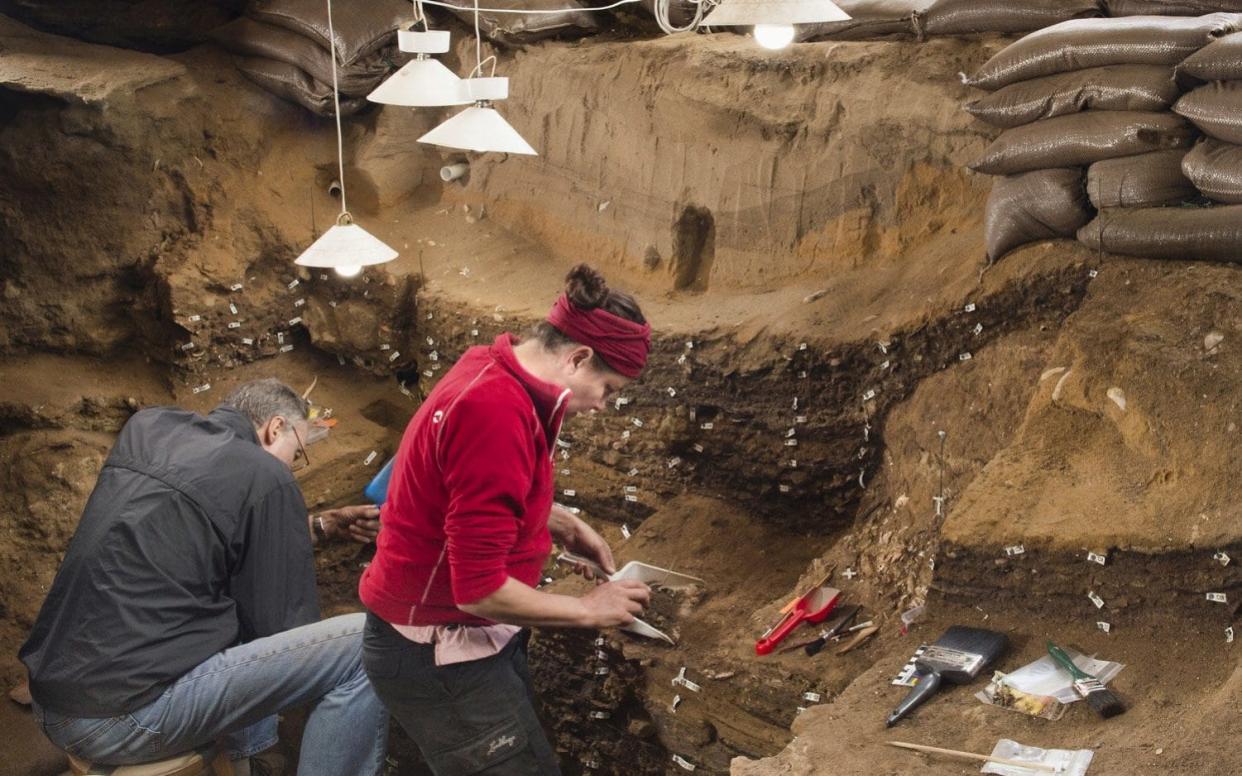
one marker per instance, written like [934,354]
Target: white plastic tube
[451,172]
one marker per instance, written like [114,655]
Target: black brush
[957,657]
[1103,700]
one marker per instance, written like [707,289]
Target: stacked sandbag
[1205,229]
[870,20]
[283,46]
[1170,7]
[1215,164]
[515,29]
[1086,112]
[963,17]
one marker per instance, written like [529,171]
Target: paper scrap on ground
[1070,762]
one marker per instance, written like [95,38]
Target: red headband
[622,343]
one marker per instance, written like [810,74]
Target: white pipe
[451,172]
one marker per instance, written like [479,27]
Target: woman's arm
[609,604]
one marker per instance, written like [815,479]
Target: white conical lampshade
[421,83]
[346,247]
[479,128]
[743,13]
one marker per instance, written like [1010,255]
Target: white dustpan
[641,572]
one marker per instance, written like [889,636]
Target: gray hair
[261,400]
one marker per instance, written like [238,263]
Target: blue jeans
[234,697]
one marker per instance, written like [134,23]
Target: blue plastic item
[377,491]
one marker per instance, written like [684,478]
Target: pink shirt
[462,643]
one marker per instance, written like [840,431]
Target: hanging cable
[336,102]
[664,7]
[577,9]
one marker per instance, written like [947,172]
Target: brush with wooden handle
[1098,697]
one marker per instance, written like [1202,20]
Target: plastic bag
[1082,43]
[1081,139]
[1215,108]
[1145,180]
[1175,233]
[1033,206]
[1117,87]
[959,17]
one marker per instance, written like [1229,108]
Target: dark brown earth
[799,226]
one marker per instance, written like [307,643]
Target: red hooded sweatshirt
[470,492]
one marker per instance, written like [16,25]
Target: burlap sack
[1215,108]
[361,26]
[1177,233]
[1117,87]
[1146,180]
[1215,168]
[1169,7]
[513,29]
[1082,43]
[1220,60]
[251,38]
[1032,206]
[961,17]
[286,81]
[1081,139]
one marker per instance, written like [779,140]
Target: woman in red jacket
[469,523]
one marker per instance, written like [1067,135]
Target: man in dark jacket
[185,610]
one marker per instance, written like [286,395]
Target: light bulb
[774,36]
[349,270]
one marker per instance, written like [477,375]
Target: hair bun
[586,287]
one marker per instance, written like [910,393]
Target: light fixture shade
[479,128]
[743,13]
[421,83]
[346,245]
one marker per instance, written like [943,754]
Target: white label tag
[869,395]
[1016,549]
[625,531]
[232,308]
[783,488]
[286,348]
[188,346]
[569,492]
[248,341]
[1093,273]
[1229,635]
[294,284]
[1106,627]
[195,318]
[599,715]
[234,324]
[236,287]
[708,426]
[1093,557]
[637,423]
[812,697]
[791,443]
[601,671]
[632,499]
[295,321]
[395,355]
[202,388]
[370,458]
[631,488]
[800,419]
[673,463]
[970,308]
[385,346]
[299,302]
[1218,598]
[1095,599]
[978,329]
[697,448]
[683,762]
[1222,558]
[672,392]
[965,357]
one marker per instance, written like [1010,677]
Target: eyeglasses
[301,455]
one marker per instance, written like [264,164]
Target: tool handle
[926,688]
[973,756]
[1066,662]
[765,645]
[578,560]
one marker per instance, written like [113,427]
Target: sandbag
[1215,168]
[961,17]
[1032,206]
[858,28]
[1169,7]
[250,38]
[285,80]
[1146,180]
[1215,108]
[1177,233]
[1117,87]
[513,29]
[1081,139]
[1082,43]
[1220,60]
[361,26]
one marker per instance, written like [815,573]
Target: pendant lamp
[422,82]
[773,20]
[346,247]
[480,127]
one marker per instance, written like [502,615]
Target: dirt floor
[838,381]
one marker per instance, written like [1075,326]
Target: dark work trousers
[467,718]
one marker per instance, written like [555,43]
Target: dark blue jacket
[194,539]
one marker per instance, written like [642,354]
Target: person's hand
[581,539]
[359,523]
[615,603]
